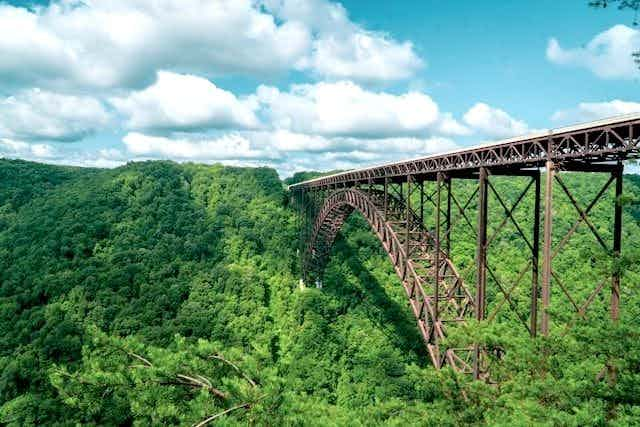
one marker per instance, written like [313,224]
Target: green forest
[160,293]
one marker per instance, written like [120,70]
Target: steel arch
[416,269]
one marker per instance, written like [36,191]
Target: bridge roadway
[392,198]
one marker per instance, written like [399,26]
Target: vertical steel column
[546,272]
[386,198]
[448,219]
[306,207]
[436,261]
[481,260]
[422,202]
[535,258]
[617,243]
[408,228]
[298,195]
[421,209]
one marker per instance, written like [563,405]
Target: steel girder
[590,143]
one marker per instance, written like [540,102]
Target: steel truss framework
[394,198]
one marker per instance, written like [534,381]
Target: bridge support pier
[535,285]
[546,254]
[617,243]
[448,219]
[408,217]
[481,260]
[436,239]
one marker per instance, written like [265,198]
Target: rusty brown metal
[617,244]
[414,269]
[481,264]
[597,142]
[535,258]
[437,250]
[421,255]
[546,251]
[448,219]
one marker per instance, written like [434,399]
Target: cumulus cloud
[19,149]
[285,150]
[229,146]
[589,111]
[120,43]
[343,49]
[353,153]
[184,103]
[40,115]
[285,142]
[362,56]
[494,122]
[608,55]
[346,109]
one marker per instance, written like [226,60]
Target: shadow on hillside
[393,318]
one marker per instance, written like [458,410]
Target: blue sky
[301,84]
[495,51]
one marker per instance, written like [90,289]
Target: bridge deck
[576,147]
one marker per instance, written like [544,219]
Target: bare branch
[202,384]
[220,414]
[235,367]
[140,358]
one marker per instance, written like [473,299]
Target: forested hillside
[167,294]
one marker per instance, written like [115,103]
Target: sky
[301,84]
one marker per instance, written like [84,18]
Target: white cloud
[186,103]
[20,149]
[284,150]
[354,153]
[363,56]
[608,54]
[344,50]
[122,43]
[589,111]
[494,122]
[346,109]
[286,142]
[230,146]
[39,115]
[447,125]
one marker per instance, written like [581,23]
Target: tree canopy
[168,294]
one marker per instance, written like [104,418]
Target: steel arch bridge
[413,208]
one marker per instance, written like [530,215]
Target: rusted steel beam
[436,262]
[386,198]
[535,254]
[421,189]
[481,263]
[584,214]
[448,219]
[408,226]
[462,209]
[546,251]
[403,233]
[617,244]
[586,166]
[603,141]
[509,214]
